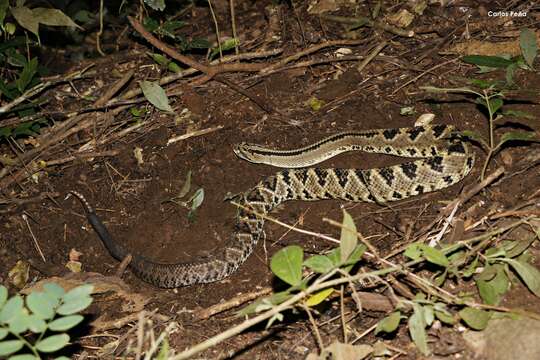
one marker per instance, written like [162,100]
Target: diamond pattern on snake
[442,159]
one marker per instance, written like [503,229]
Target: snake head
[248,152]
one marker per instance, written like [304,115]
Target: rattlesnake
[445,160]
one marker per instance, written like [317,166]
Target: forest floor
[133,197]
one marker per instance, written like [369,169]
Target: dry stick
[62,115]
[423,74]
[231,58]
[361,21]
[36,244]
[209,70]
[294,228]
[231,303]
[38,198]
[318,337]
[310,50]
[464,197]
[115,88]
[323,283]
[194,133]
[40,87]
[53,139]
[371,56]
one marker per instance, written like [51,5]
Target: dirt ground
[131,198]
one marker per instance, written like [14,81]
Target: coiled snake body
[445,160]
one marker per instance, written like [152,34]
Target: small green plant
[494,269]
[39,322]
[490,95]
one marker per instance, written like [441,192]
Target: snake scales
[444,160]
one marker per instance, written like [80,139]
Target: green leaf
[443,315]
[27,74]
[483,84]
[389,324]
[160,59]
[19,323]
[3,295]
[349,239]
[473,135]
[52,343]
[489,61]
[529,47]
[10,347]
[53,17]
[54,290]
[225,46]
[74,306]
[36,324]
[495,104]
[156,95]
[510,71]
[516,248]
[65,323]
[319,297]
[11,309]
[528,273]
[518,113]
[31,18]
[417,329]
[475,318]
[356,255]
[4,4]
[197,199]
[286,264]
[186,187]
[319,263]
[413,251]
[78,292]
[517,136]
[38,302]
[156,4]
[488,292]
[174,67]
[164,350]
[23,357]
[3,333]
[434,256]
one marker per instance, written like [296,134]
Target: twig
[414,79]
[40,87]
[194,133]
[464,197]
[433,242]
[36,244]
[211,71]
[231,303]
[365,21]
[294,228]
[310,50]
[318,337]
[119,84]
[371,56]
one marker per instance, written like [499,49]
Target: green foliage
[193,202]
[48,314]
[490,94]
[169,29]
[156,95]
[226,45]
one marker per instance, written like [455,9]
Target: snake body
[444,160]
